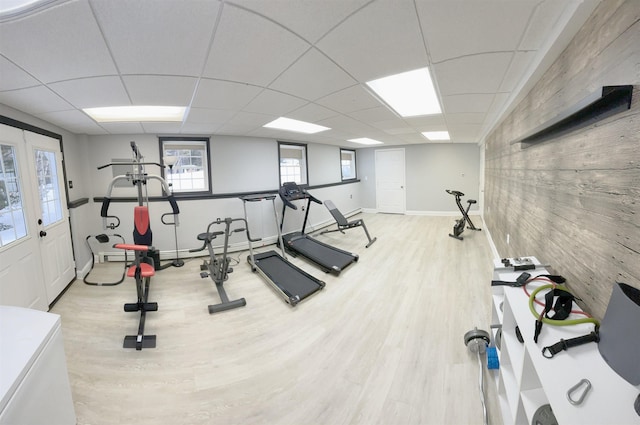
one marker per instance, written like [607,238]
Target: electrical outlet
[508,238]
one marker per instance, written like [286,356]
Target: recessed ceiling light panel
[436,135]
[137,113]
[365,141]
[410,93]
[289,124]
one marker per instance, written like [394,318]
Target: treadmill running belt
[321,253]
[290,279]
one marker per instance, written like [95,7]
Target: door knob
[43,233]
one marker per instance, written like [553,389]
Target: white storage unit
[526,380]
[34,385]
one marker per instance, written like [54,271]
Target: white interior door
[52,222]
[21,277]
[390,181]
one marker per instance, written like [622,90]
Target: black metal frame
[458,228]
[343,224]
[217,267]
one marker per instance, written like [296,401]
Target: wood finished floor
[381,344]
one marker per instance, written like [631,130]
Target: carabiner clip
[587,387]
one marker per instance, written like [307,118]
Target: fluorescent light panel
[436,135]
[410,93]
[289,124]
[137,113]
[365,141]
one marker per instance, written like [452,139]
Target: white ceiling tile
[309,19]
[381,39]
[354,98]
[472,74]
[34,100]
[518,68]
[176,91]
[61,44]
[312,76]
[122,127]
[274,103]
[466,118]
[426,122]
[464,132]
[378,113]
[544,18]
[199,128]
[217,94]
[244,122]
[13,77]
[161,127]
[93,92]
[157,37]
[209,116]
[250,48]
[459,103]
[458,28]
[74,121]
[311,112]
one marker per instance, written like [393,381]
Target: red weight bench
[141,270]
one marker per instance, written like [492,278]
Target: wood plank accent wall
[574,201]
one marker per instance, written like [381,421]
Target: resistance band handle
[565,344]
[520,281]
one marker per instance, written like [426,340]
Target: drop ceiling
[239,64]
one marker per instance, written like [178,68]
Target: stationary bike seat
[209,236]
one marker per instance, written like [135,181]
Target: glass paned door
[49,191]
[12,214]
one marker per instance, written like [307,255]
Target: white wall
[430,169]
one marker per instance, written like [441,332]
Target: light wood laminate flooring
[381,344]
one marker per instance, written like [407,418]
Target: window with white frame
[293,163]
[348,164]
[190,172]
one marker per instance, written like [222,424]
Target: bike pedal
[203,267]
[204,275]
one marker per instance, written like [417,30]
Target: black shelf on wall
[593,108]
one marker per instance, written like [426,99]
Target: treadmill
[327,257]
[289,281]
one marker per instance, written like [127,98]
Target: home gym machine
[458,228]
[218,267]
[327,257]
[289,281]
[143,267]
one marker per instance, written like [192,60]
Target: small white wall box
[620,333]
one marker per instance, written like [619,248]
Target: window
[12,216]
[348,164]
[190,172]
[293,163]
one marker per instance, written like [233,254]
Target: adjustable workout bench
[343,224]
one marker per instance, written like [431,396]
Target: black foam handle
[105,207]
[174,204]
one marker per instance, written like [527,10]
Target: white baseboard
[81,273]
[441,213]
[494,250]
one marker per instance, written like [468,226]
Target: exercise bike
[218,267]
[458,228]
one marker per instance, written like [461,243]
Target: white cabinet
[526,380]
[34,385]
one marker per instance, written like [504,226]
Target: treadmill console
[291,191]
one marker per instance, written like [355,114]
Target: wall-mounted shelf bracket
[593,108]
